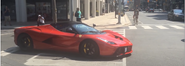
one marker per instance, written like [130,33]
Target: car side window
[62,27]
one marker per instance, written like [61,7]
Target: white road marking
[124,59]
[4,53]
[67,62]
[132,27]
[177,27]
[124,62]
[6,34]
[147,27]
[162,27]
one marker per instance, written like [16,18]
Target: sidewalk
[108,21]
[103,21]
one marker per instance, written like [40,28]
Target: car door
[66,39]
[171,14]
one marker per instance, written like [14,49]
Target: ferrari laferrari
[71,36]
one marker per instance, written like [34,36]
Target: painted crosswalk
[150,27]
[147,27]
[177,27]
[162,27]
[153,27]
[132,27]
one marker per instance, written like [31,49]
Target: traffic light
[148,1]
[130,0]
[127,1]
[156,0]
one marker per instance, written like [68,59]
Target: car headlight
[106,40]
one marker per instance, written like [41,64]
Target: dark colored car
[176,14]
[74,37]
[150,10]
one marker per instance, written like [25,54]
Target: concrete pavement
[107,21]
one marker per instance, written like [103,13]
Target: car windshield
[84,29]
[178,11]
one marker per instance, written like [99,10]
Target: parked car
[176,14]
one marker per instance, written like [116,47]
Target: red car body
[47,37]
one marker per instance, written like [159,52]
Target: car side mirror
[70,30]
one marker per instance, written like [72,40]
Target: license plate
[125,49]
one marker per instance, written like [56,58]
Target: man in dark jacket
[7,15]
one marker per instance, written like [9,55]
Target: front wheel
[89,48]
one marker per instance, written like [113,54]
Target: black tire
[89,48]
[24,41]
[172,18]
[168,18]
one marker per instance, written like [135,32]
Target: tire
[24,41]
[173,19]
[168,18]
[89,48]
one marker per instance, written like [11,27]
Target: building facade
[27,10]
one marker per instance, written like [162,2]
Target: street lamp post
[119,12]
[71,16]
[54,11]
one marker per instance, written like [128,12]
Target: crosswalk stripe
[132,27]
[147,27]
[162,27]
[177,27]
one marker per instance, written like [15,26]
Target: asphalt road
[156,42]
[159,45]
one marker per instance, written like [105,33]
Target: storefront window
[61,10]
[44,8]
[31,15]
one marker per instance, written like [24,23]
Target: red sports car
[72,37]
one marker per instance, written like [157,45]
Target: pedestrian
[78,15]
[136,13]
[40,20]
[7,15]
[103,10]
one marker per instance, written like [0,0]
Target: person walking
[7,15]
[40,20]
[136,13]
[78,15]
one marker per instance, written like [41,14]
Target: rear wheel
[172,18]
[24,41]
[89,48]
[168,18]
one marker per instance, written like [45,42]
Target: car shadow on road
[58,55]
[183,40]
